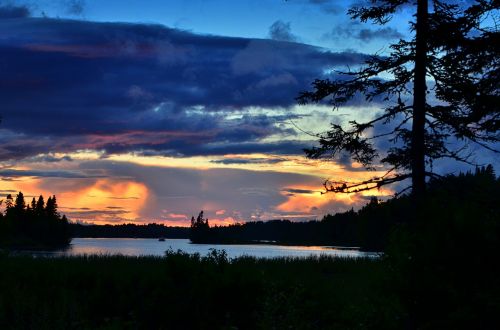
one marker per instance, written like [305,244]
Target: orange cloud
[220,212]
[305,199]
[128,195]
[99,201]
[222,221]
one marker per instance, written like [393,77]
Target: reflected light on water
[153,247]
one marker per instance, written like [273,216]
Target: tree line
[33,225]
[471,195]
[129,230]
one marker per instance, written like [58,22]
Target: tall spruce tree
[9,204]
[20,204]
[454,49]
[51,207]
[40,205]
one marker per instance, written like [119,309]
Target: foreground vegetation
[184,291]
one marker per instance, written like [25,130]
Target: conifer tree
[40,206]
[20,204]
[455,51]
[9,204]
[49,208]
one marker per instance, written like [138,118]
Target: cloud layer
[69,85]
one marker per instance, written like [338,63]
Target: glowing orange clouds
[308,200]
[145,189]
[117,200]
[90,200]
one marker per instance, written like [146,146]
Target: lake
[154,247]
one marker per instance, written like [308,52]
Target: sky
[150,111]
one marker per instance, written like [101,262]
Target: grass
[183,291]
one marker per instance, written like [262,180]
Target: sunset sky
[150,111]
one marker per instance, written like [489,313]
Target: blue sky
[310,21]
[150,111]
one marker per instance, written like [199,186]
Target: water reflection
[153,247]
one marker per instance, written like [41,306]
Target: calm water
[153,247]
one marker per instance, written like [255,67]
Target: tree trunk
[419,101]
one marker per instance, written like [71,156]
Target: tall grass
[182,291]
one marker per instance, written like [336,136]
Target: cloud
[73,85]
[241,193]
[13,173]
[281,31]
[232,161]
[300,191]
[75,7]
[353,30]
[48,158]
[7,12]
[328,6]
[7,191]
[102,216]
[383,33]
[122,198]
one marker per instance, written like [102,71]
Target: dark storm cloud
[68,85]
[220,149]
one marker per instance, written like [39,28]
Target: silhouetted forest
[35,225]
[371,227]
[151,230]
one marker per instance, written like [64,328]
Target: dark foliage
[454,45]
[34,225]
[342,229]
[129,230]
[182,291]
[445,264]
[199,230]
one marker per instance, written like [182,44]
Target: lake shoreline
[242,242]
[154,247]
